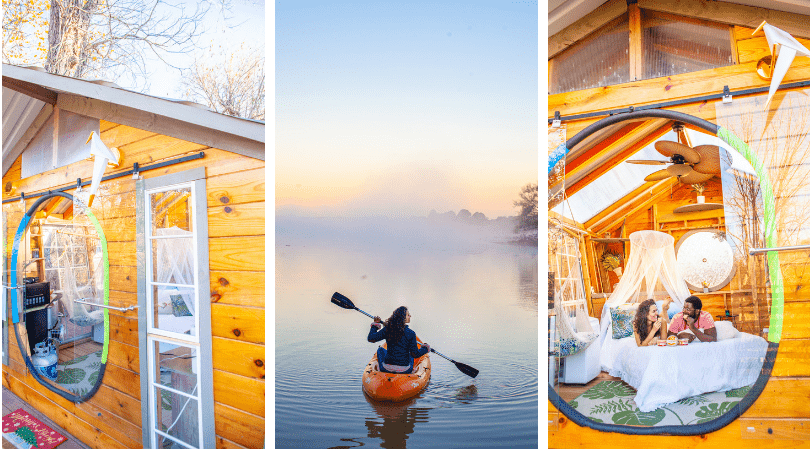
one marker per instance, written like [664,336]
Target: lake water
[471,299]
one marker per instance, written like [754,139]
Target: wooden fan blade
[657,176]
[709,159]
[694,177]
[651,162]
[669,149]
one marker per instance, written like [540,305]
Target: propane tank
[45,359]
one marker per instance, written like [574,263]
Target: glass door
[173,338]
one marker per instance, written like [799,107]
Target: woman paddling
[648,326]
[401,340]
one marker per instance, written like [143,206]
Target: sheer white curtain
[174,262]
[651,272]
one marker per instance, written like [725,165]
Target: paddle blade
[467,370]
[342,301]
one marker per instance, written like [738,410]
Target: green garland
[771,241]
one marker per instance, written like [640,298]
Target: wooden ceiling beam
[669,183]
[732,14]
[674,87]
[572,166]
[621,203]
[625,148]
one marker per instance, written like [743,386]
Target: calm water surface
[473,300]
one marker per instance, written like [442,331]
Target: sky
[244,23]
[398,108]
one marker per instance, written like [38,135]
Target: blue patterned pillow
[179,308]
[622,323]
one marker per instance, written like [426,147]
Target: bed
[664,375]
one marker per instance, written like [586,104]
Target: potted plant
[699,188]
[612,261]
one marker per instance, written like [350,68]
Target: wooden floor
[73,350]
[569,392]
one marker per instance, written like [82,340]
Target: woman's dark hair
[640,322]
[395,325]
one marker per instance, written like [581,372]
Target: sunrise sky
[397,108]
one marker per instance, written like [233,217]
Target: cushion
[725,330]
[582,322]
[672,308]
[621,322]
[179,308]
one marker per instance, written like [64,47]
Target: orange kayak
[396,387]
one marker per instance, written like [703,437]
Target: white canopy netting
[651,272]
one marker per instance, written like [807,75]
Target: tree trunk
[68,34]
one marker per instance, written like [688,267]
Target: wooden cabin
[625,57]
[175,241]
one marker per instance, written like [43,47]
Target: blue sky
[402,107]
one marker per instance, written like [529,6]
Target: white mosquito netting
[651,272]
[174,264]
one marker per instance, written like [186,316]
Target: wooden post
[636,63]
[585,264]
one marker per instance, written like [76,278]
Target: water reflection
[394,421]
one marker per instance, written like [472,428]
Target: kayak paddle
[465,369]
[344,302]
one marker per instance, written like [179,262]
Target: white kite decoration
[101,154]
[784,48]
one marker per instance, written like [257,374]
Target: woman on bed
[648,326]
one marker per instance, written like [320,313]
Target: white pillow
[725,330]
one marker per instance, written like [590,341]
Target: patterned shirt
[678,323]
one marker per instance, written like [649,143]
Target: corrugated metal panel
[600,61]
[19,112]
[671,48]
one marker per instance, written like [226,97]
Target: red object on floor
[19,427]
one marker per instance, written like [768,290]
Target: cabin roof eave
[37,91]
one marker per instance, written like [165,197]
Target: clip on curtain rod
[136,169]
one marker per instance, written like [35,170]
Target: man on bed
[689,323]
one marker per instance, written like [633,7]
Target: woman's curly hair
[395,325]
[640,322]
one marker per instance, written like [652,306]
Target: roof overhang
[29,94]
[562,13]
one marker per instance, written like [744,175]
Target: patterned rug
[612,402]
[24,431]
[79,375]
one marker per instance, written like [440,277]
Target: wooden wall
[780,418]
[236,210]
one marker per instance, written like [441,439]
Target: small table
[732,318]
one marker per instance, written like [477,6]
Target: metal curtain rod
[135,169]
[757,251]
[611,112]
[129,308]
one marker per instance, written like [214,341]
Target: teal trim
[771,241]
[13,279]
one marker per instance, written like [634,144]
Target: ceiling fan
[689,165]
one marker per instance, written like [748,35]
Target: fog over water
[472,296]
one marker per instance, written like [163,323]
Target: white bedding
[664,375]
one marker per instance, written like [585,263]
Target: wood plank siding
[235,193]
[780,417]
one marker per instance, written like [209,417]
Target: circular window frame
[21,229]
[773,347]
[731,271]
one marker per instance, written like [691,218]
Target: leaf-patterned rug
[612,402]
[79,375]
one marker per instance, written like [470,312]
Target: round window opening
[60,264]
[705,260]
[637,422]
